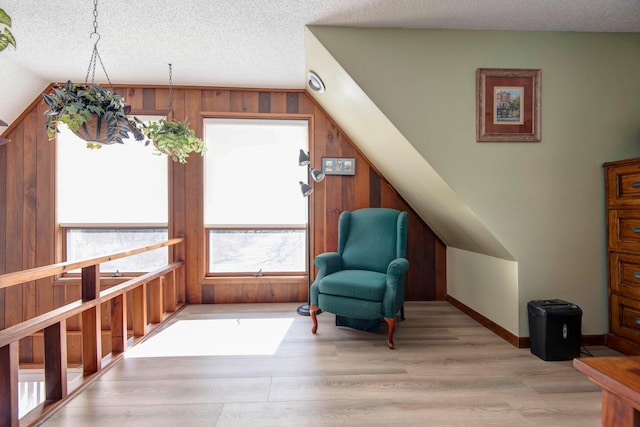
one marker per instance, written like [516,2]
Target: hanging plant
[173,138]
[6,38]
[92,112]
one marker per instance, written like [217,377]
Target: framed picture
[338,166]
[508,105]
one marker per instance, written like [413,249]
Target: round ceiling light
[315,82]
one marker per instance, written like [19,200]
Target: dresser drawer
[624,229]
[623,185]
[624,274]
[625,317]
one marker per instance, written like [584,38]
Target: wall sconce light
[303,158]
[305,189]
[315,82]
[316,174]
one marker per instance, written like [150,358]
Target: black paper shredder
[555,329]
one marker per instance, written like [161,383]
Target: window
[255,214]
[112,199]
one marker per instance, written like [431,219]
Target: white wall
[28,86]
[543,202]
[486,283]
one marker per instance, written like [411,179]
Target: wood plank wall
[28,232]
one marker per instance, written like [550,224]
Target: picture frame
[508,105]
[339,165]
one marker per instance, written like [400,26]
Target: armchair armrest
[327,263]
[398,267]
[394,295]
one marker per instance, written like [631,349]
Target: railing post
[91,322]
[139,295]
[181,284]
[9,385]
[55,360]
[170,292]
[119,323]
[155,300]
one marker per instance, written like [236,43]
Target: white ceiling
[243,43]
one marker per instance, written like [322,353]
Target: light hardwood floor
[446,370]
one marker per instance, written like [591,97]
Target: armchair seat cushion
[359,284]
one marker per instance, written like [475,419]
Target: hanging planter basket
[95,131]
[173,138]
[93,113]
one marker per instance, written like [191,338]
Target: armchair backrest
[370,238]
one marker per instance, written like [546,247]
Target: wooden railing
[152,294]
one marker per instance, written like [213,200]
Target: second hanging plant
[175,139]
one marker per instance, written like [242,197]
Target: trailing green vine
[6,38]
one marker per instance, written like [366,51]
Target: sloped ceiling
[378,138]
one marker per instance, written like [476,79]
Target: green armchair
[364,279]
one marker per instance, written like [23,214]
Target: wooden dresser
[622,181]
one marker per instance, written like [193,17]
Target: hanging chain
[95,17]
[95,55]
[170,88]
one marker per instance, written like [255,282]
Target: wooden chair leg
[392,326]
[312,311]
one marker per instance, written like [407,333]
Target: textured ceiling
[244,43]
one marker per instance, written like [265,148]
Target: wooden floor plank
[446,370]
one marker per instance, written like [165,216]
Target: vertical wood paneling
[14,206]
[2,305]
[148,99]
[209,294]
[3,216]
[162,99]
[208,100]
[264,102]
[306,105]
[29,225]
[348,181]
[278,102]
[27,203]
[222,101]
[292,103]
[133,97]
[45,210]
[441,270]
[177,195]
[318,216]
[361,183]
[236,101]
[374,189]
[250,102]
[3,226]
[194,191]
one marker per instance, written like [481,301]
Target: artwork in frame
[338,166]
[508,105]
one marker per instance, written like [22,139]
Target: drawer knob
[636,275]
[637,320]
[635,184]
[635,229]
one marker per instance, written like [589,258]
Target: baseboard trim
[489,324]
[519,342]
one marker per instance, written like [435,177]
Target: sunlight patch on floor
[215,337]
[32,390]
